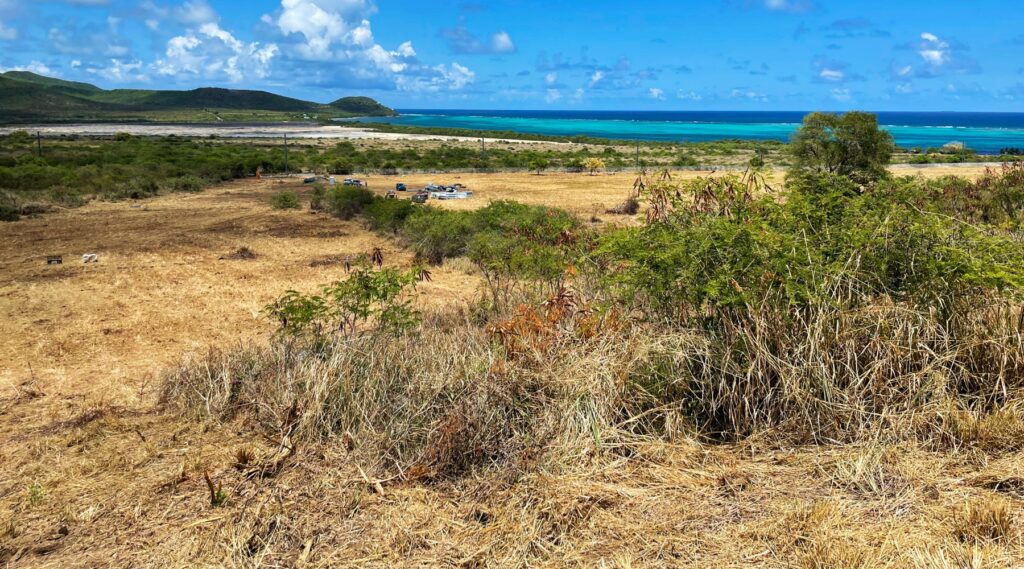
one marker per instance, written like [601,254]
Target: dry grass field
[585,194]
[94,473]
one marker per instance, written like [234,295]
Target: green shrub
[722,250]
[347,202]
[318,197]
[285,200]
[435,235]
[366,296]
[189,184]
[9,213]
[389,215]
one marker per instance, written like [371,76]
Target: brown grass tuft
[986,521]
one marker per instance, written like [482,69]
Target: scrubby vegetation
[285,200]
[70,171]
[856,307]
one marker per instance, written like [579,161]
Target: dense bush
[347,202]
[285,200]
[722,248]
[849,145]
[70,172]
[318,198]
[9,213]
[389,215]
[435,235]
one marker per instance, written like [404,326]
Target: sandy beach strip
[292,130]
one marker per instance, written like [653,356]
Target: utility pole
[637,156]
[482,151]
[286,155]
[39,143]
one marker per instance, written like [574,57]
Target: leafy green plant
[368,295]
[35,494]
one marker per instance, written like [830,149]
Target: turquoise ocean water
[986,133]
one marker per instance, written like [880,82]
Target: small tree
[593,165]
[538,165]
[850,145]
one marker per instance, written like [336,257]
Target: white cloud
[656,93]
[320,28]
[577,96]
[552,96]
[122,72]
[458,77]
[841,95]
[215,53]
[75,63]
[789,5]
[688,96]
[904,88]
[6,33]
[904,71]
[36,67]
[933,50]
[462,41]
[596,77]
[195,12]
[831,74]
[339,33]
[437,78]
[501,42]
[551,78]
[749,95]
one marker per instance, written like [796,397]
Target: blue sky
[533,54]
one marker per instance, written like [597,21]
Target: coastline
[249,131]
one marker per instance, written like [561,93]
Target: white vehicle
[450,195]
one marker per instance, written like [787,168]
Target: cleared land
[95,474]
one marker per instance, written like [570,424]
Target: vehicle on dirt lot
[354,182]
[420,197]
[400,187]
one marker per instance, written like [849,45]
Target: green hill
[27,97]
[362,106]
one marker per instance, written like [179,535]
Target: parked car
[310,180]
[420,197]
[400,187]
[354,182]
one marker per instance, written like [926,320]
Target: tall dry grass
[550,384]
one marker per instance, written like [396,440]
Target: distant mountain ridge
[26,96]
